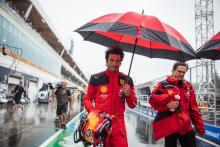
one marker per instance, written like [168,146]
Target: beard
[113,68]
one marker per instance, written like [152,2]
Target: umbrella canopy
[137,33]
[155,39]
[211,49]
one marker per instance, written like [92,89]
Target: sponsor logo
[103,89]
[103,96]
[88,133]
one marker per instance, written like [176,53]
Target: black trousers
[186,140]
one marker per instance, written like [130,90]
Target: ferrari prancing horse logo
[170,91]
[122,82]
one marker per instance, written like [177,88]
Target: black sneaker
[63,126]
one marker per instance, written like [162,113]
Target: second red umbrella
[211,49]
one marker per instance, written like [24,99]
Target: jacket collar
[109,73]
[173,80]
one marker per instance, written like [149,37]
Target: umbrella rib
[182,59]
[119,39]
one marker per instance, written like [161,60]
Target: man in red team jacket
[175,101]
[104,94]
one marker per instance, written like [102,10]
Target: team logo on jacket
[170,91]
[103,89]
[156,85]
[122,82]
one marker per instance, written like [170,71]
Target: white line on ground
[58,132]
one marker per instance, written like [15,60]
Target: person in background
[175,101]
[63,96]
[107,92]
[18,91]
[81,95]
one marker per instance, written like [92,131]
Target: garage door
[32,91]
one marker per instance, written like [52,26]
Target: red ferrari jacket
[104,93]
[180,120]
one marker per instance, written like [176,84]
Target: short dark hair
[114,50]
[180,64]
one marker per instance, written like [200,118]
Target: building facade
[29,53]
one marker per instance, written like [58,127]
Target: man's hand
[71,108]
[53,102]
[52,99]
[201,131]
[70,112]
[173,104]
[126,89]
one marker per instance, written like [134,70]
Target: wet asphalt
[139,131]
[29,127]
[38,122]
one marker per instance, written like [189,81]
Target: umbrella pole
[135,44]
[123,95]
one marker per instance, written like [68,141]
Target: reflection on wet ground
[30,127]
[139,131]
[37,122]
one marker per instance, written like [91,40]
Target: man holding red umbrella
[175,100]
[135,33]
[104,94]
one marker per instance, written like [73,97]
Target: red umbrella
[211,49]
[137,33]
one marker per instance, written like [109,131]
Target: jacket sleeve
[89,95]
[194,114]
[159,97]
[25,94]
[132,99]
[15,89]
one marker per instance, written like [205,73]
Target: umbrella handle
[123,96]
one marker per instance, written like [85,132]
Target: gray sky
[68,15]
